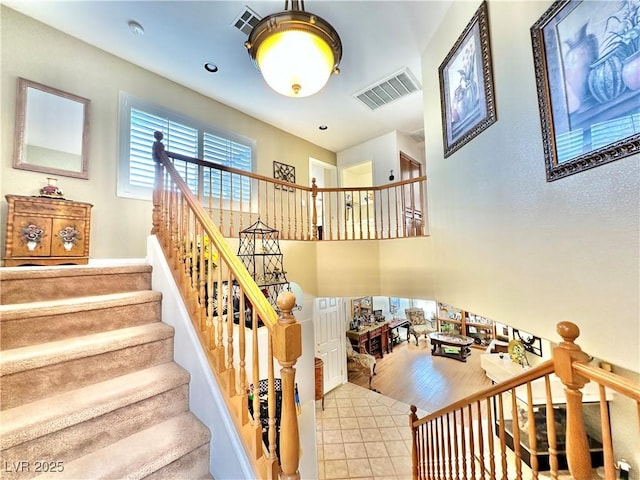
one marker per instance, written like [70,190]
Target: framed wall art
[282,171]
[587,64]
[466,85]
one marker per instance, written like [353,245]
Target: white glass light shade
[295,63]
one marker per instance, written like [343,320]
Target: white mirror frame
[77,128]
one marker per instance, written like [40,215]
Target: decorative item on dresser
[46,231]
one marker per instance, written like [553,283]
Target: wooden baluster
[433,467]
[157,154]
[552,439]
[607,441]
[414,441]
[314,213]
[241,212]
[377,204]
[531,430]
[211,271]
[455,446]
[472,454]
[492,460]
[480,440]
[515,427]
[230,369]
[242,344]
[503,439]
[577,444]
[295,214]
[396,205]
[449,469]
[201,272]
[437,424]
[257,423]
[219,353]
[271,400]
[463,445]
[287,336]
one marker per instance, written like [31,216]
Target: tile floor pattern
[363,434]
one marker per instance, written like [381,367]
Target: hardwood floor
[411,375]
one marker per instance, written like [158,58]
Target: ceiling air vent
[246,20]
[395,86]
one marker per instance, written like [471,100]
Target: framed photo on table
[587,66]
[466,85]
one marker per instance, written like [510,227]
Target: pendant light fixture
[295,51]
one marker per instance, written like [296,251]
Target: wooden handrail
[223,301]
[527,376]
[438,452]
[307,212]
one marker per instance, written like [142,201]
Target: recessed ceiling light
[323,127]
[135,27]
[210,67]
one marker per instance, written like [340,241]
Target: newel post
[287,348]
[314,212]
[413,417]
[157,153]
[577,444]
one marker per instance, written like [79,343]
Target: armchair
[418,325]
[362,362]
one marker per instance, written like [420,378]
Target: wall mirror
[52,131]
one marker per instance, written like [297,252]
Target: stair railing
[228,310]
[484,435]
[235,199]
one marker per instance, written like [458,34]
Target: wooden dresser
[47,231]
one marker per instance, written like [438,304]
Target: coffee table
[450,345]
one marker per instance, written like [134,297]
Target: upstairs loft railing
[490,434]
[235,199]
[240,331]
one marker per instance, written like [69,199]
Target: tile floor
[363,434]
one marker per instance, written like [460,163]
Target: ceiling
[379,38]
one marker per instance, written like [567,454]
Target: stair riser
[49,328]
[30,385]
[73,442]
[21,290]
[194,465]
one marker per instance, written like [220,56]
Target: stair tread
[26,422]
[140,454]
[36,356]
[13,273]
[75,304]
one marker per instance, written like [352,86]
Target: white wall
[510,246]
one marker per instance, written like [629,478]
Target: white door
[329,328]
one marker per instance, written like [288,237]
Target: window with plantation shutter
[140,119]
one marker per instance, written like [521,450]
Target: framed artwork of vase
[466,85]
[587,65]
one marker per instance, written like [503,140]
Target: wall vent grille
[246,20]
[390,89]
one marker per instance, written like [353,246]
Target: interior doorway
[412,195]
[326,177]
[329,330]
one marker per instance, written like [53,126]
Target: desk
[450,345]
[394,324]
[373,339]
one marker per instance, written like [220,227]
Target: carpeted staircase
[88,384]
